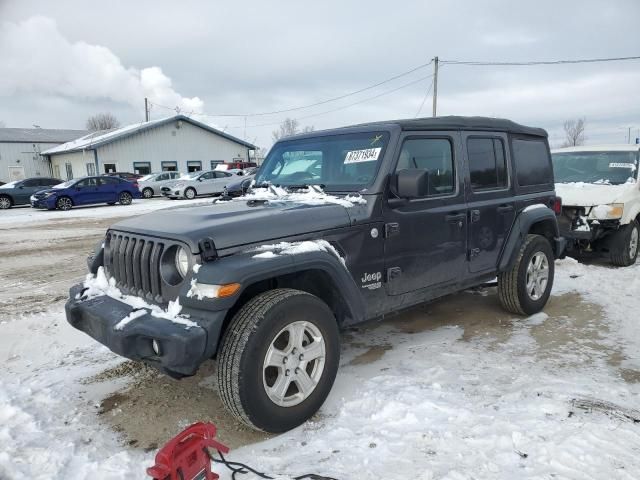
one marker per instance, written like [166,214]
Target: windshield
[65,184]
[191,176]
[146,177]
[338,162]
[10,184]
[612,168]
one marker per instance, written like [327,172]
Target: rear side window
[109,180]
[487,163]
[533,164]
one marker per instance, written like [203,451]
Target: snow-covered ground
[453,390]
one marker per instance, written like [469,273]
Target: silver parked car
[199,183]
[152,184]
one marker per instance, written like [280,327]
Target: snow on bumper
[181,350]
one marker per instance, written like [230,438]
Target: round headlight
[182,262]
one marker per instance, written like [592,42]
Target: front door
[425,238]
[489,198]
[87,191]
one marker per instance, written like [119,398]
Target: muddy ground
[40,262]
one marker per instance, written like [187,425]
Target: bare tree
[574,132]
[102,121]
[290,126]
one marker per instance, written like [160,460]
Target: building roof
[463,123]
[98,139]
[622,147]
[38,135]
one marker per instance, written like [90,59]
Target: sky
[62,61]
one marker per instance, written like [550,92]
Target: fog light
[156,347]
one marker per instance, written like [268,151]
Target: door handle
[505,208]
[455,217]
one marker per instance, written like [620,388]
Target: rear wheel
[624,248]
[525,288]
[190,193]
[147,192]
[278,359]
[125,198]
[64,203]
[5,202]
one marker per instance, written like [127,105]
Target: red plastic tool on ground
[185,457]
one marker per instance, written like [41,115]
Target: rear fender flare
[525,221]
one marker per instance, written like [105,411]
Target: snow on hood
[312,195]
[99,285]
[582,194]
[295,248]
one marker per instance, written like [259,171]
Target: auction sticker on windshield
[366,155]
[630,166]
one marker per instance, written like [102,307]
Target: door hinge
[393,273]
[474,215]
[391,229]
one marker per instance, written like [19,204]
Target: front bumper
[45,203]
[181,350]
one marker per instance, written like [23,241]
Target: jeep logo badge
[371,281]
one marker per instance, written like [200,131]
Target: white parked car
[152,184]
[600,200]
[193,184]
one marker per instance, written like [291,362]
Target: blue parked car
[86,191]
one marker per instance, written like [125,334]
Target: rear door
[108,189]
[425,238]
[490,197]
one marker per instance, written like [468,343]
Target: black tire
[125,198]
[64,203]
[242,377]
[623,252]
[5,202]
[190,193]
[512,284]
[147,192]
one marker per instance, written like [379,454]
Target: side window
[88,182]
[109,181]
[434,155]
[533,165]
[33,182]
[207,176]
[487,163]
[164,176]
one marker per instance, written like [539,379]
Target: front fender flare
[247,269]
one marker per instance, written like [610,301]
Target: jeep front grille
[134,262]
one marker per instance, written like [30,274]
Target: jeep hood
[591,194]
[237,223]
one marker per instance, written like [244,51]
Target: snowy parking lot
[456,389]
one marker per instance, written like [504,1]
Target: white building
[170,144]
[21,151]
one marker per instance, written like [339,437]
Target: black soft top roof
[462,123]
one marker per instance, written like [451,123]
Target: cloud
[38,59]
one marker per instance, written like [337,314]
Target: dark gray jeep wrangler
[340,227]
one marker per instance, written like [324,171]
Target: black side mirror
[412,183]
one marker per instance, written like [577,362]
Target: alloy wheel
[537,275]
[65,203]
[125,198]
[633,243]
[5,203]
[294,364]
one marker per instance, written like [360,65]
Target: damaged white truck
[600,201]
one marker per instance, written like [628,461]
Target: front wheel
[125,198]
[190,193]
[624,248]
[525,288]
[147,192]
[278,359]
[64,203]
[5,202]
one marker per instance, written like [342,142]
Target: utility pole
[435,86]
[146,109]
[629,136]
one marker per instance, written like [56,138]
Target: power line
[387,92]
[323,102]
[545,62]
[426,95]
